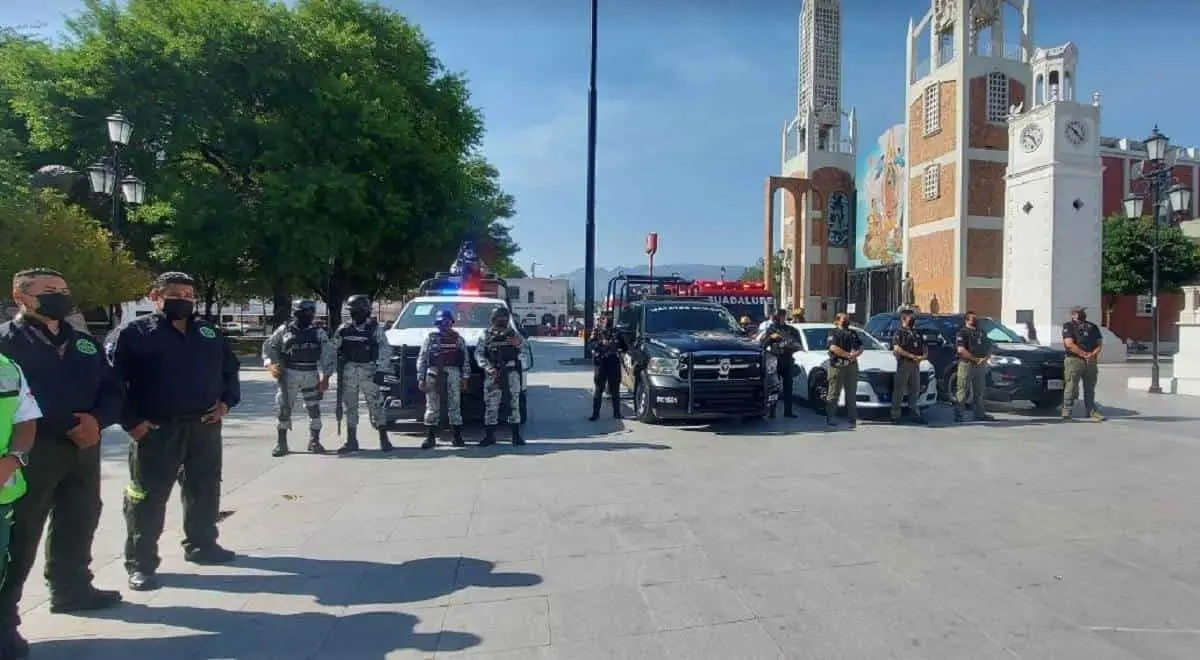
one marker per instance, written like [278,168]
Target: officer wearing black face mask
[79,394]
[182,378]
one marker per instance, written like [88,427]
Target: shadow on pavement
[345,583]
[532,447]
[246,634]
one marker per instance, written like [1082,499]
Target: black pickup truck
[688,359]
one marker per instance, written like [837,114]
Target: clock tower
[1052,216]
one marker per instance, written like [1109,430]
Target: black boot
[384,443]
[616,408]
[351,445]
[458,441]
[489,436]
[314,442]
[430,438]
[281,448]
[516,435]
[595,410]
[787,409]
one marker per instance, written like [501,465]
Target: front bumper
[675,398]
[1024,382]
[874,390]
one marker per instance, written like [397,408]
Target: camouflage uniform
[363,356]
[443,361]
[307,356]
[500,360]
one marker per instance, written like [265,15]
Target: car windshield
[689,318]
[817,339]
[467,314]
[947,327]
[756,311]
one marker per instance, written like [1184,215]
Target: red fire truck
[751,299]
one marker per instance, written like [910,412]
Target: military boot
[430,438]
[384,443]
[458,440]
[595,410]
[516,435]
[616,404]
[351,445]
[281,448]
[314,442]
[489,436]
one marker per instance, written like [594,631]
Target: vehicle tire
[642,409]
[1050,402]
[818,391]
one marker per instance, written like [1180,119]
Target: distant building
[538,301]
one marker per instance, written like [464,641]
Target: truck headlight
[1003,361]
[772,364]
[659,366]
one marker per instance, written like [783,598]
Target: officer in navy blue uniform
[79,395]
[182,379]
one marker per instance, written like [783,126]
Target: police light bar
[456,285]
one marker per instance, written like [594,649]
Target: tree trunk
[210,297]
[281,301]
[1110,302]
[335,293]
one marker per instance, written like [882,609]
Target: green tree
[779,269]
[1127,259]
[348,151]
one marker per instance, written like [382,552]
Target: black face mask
[1081,316]
[359,315]
[500,324]
[55,306]
[177,309]
[304,319]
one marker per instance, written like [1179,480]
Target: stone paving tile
[1025,539]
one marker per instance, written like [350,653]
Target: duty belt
[300,366]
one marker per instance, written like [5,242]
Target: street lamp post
[1166,201]
[589,261]
[108,178]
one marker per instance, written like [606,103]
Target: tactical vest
[606,346]
[301,347]
[445,351]
[359,344]
[499,351]
[10,401]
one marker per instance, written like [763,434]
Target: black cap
[358,300]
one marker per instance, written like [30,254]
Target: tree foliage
[778,270]
[51,233]
[1128,253]
[320,146]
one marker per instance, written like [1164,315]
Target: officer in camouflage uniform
[973,350]
[363,358]
[498,354]
[443,360]
[1083,342]
[301,357]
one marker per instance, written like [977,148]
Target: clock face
[1076,132]
[1031,138]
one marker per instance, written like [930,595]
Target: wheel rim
[642,400]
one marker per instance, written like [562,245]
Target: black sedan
[1017,371]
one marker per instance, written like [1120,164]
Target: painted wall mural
[879,231]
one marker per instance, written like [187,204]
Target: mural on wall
[838,214]
[879,232]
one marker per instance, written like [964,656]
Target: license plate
[1054,384]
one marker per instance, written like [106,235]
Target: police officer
[498,353]
[34,338]
[363,358]
[443,361]
[909,347]
[301,357]
[606,346]
[182,378]
[1083,342]
[782,341]
[972,348]
[844,348]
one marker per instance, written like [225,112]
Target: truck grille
[719,396]
[721,368]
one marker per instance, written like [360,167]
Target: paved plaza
[1023,538]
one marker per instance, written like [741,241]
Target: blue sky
[694,93]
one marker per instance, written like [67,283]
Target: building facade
[538,301]
[956,109]
[819,147]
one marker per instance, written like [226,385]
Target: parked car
[1017,371]
[876,371]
